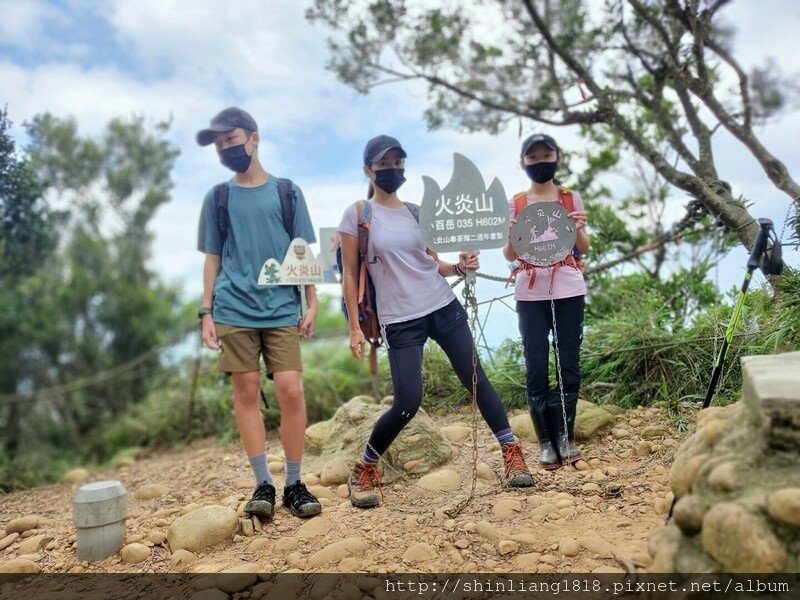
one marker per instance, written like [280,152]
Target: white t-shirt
[407,281]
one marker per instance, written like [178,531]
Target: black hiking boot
[548,457]
[262,504]
[569,451]
[300,501]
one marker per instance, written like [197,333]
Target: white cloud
[23,22]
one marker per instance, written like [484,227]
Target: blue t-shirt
[255,234]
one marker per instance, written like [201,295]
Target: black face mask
[389,180]
[541,172]
[235,158]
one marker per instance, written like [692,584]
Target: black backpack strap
[221,193]
[288,204]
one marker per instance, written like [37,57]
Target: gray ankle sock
[292,472]
[260,470]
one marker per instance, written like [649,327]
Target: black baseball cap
[538,138]
[228,119]
[378,146]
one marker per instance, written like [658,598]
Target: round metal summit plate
[543,234]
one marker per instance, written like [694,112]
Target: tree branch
[663,120]
[744,86]
[571,118]
[775,170]
[718,201]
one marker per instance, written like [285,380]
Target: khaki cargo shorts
[241,348]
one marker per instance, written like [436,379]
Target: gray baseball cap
[378,146]
[538,138]
[228,119]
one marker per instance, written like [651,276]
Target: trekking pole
[768,258]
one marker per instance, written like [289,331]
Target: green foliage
[507,374]
[680,297]
[330,318]
[168,417]
[90,309]
[643,353]
[27,223]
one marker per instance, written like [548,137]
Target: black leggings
[535,324]
[447,326]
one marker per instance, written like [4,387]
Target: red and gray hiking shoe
[515,470]
[364,485]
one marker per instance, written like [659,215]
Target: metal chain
[471,303]
[558,355]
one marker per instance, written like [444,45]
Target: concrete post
[99,512]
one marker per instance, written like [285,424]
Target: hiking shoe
[300,501]
[516,471]
[362,483]
[262,504]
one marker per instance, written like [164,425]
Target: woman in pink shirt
[542,291]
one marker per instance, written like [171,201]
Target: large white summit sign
[465,215]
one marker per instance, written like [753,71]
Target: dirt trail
[571,521]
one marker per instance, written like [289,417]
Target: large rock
[336,471]
[419,554]
[664,546]
[740,541]
[590,419]
[456,432]
[352,546]
[338,442]
[653,433]
[202,528]
[784,506]
[182,559]
[597,545]
[150,491]
[238,578]
[34,544]
[569,547]
[688,514]
[737,482]
[316,527]
[134,553]
[506,507]
[8,540]
[22,524]
[684,471]
[445,480]
[75,476]
[522,426]
[19,566]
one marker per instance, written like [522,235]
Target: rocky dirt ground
[597,519]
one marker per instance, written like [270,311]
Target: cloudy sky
[99,59]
